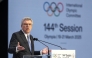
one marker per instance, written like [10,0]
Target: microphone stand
[45,45]
[51,44]
[41,41]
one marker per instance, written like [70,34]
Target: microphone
[48,43]
[35,39]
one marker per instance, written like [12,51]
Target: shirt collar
[25,33]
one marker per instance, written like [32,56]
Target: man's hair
[26,18]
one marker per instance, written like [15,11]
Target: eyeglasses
[27,24]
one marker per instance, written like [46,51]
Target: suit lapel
[24,40]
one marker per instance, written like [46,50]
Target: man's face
[26,26]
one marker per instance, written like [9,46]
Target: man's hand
[45,51]
[20,47]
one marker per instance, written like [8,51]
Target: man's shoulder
[17,32]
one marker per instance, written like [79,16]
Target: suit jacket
[20,37]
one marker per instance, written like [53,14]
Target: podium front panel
[35,56]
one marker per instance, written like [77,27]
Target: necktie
[29,42]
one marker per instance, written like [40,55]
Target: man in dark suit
[19,42]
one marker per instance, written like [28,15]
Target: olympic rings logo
[53,9]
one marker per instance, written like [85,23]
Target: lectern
[35,56]
[63,54]
[55,54]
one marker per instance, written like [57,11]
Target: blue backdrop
[64,23]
